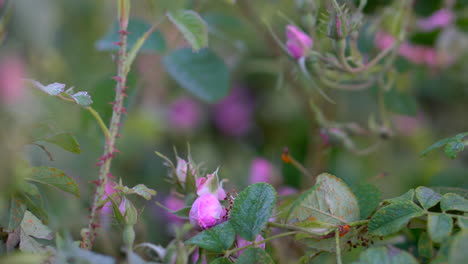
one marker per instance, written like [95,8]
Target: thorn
[123,110]
[99,163]
[110,175]
[118,43]
[124,95]
[116,150]
[123,32]
[112,103]
[117,78]
[97,182]
[117,136]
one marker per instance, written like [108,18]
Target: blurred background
[58,41]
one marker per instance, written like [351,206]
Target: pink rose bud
[439,19]
[211,184]
[108,191]
[242,243]
[261,170]
[206,211]
[181,169]
[122,206]
[298,43]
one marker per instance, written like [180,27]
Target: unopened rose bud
[298,43]
[336,27]
[211,184]
[206,211]
[181,169]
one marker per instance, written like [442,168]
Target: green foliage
[82,98]
[254,256]
[154,43]
[439,227]
[452,201]
[252,209]
[427,197]
[458,253]
[385,255]
[408,196]
[216,239]
[453,145]
[56,178]
[221,261]
[369,197]
[64,140]
[31,227]
[203,73]
[192,27]
[12,213]
[425,246]
[330,201]
[392,218]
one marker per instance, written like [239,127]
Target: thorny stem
[89,234]
[230,252]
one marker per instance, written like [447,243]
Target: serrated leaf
[82,98]
[155,41]
[33,199]
[392,218]
[50,89]
[221,261]
[427,197]
[330,201]
[192,27]
[32,226]
[425,247]
[12,213]
[368,196]
[64,140]
[385,255]
[56,178]
[216,239]
[458,253]
[455,202]
[143,191]
[204,73]
[252,209]
[453,148]
[406,197]
[254,256]
[439,227]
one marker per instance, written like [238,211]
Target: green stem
[230,252]
[338,247]
[101,124]
[358,223]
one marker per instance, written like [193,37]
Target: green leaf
[453,148]
[143,191]
[192,27]
[12,213]
[368,196]
[82,98]
[400,103]
[216,239]
[458,253]
[155,41]
[425,247]
[32,226]
[50,89]
[436,145]
[66,141]
[33,199]
[439,227]
[427,197]
[316,227]
[385,255]
[221,261]
[252,209]
[253,256]
[56,178]
[204,73]
[406,197]
[392,218]
[455,202]
[462,222]
[330,201]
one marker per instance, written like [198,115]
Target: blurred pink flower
[174,204]
[261,170]
[242,243]
[439,19]
[206,211]
[233,115]
[408,125]
[184,114]
[211,184]
[12,72]
[286,190]
[298,43]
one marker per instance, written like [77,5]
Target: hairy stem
[89,234]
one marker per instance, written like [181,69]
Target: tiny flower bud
[206,211]
[181,169]
[211,184]
[298,43]
[336,27]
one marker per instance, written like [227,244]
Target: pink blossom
[439,19]
[261,170]
[286,190]
[12,72]
[242,243]
[108,191]
[298,43]
[173,203]
[181,169]
[233,115]
[211,184]
[184,114]
[123,206]
[206,211]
